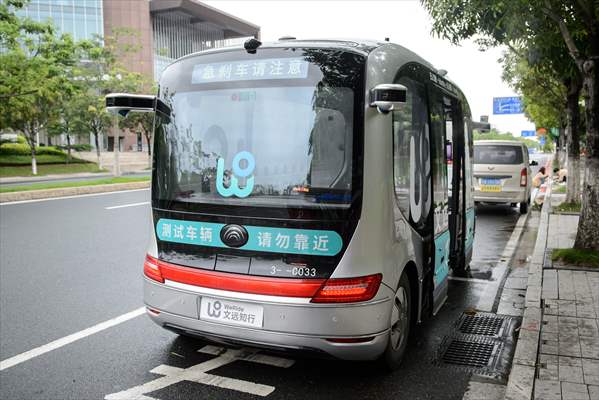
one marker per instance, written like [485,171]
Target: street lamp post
[117,167]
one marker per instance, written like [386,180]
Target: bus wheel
[400,325]
[524,207]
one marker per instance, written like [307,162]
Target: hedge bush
[20,149]
[77,147]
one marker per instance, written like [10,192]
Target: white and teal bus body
[292,210]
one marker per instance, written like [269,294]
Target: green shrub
[15,149]
[20,149]
[77,147]
[49,150]
[21,139]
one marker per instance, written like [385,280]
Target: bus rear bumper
[349,331]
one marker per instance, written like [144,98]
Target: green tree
[36,64]
[143,122]
[522,23]
[551,93]
[104,73]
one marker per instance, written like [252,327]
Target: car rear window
[497,154]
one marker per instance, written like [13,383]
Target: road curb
[521,380]
[70,191]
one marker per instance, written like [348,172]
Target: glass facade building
[83,19]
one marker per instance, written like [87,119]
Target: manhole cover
[481,324]
[471,354]
[481,343]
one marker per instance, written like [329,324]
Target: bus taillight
[348,290]
[151,269]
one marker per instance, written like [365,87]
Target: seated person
[539,178]
[562,174]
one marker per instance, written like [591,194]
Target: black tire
[400,324]
[524,207]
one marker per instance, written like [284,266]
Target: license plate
[231,312]
[490,185]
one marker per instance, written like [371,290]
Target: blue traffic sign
[527,133]
[507,105]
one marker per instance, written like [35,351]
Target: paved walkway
[568,361]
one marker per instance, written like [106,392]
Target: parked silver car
[502,173]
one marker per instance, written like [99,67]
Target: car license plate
[490,185]
[231,312]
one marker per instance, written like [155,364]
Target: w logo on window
[238,172]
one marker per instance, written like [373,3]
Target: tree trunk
[573,139]
[33,160]
[148,140]
[588,234]
[68,148]
[561,140]
[97,142]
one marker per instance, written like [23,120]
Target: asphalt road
[69,264]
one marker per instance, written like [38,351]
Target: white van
[502,173]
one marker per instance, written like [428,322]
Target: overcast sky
[405,22]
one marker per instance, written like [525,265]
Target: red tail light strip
[343,290]
[240,283]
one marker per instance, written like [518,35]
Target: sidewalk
[557,355]
[25,180]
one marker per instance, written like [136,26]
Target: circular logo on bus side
[234,235]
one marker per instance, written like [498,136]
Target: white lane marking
[10,203]
[143,203]
[485,303]
[199,373]
[253,357]
[38,351]
[473,280]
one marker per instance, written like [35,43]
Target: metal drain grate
[470,354]
[481,324]
[480,343]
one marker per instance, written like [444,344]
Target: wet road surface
[70,264]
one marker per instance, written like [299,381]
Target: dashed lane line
[143,203]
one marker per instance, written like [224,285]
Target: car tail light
[523,177]
[348,290]
[151,269]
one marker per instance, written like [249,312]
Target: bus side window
[411,155]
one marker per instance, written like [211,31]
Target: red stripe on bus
[240,283]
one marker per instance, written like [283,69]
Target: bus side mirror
[124,103]
[386,97]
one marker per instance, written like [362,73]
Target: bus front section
[256,193]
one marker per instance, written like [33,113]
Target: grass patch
[559,189]
[57,185]
[48,169]
[15,159]
[586,258]
[567,207]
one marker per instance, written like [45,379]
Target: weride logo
[238,171]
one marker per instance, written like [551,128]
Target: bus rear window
[497,154]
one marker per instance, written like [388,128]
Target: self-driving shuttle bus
[306,195]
